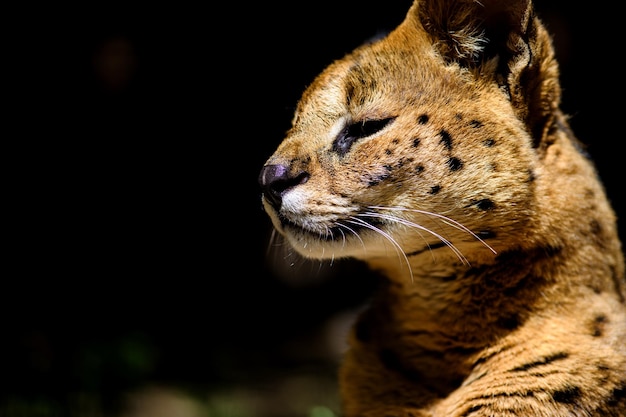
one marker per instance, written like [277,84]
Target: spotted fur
[439,156]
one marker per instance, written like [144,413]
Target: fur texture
[440,157]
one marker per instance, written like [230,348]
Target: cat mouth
[340,230]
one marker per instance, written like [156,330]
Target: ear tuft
[455,28]
[473,32]
[469,31]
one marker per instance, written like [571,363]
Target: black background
[134,237]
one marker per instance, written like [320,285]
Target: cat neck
[465,303]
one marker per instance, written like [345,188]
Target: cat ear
[470,31]
[504,40]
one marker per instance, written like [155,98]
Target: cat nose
[275,180]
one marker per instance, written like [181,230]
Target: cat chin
[311,246]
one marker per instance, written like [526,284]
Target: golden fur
[440,157]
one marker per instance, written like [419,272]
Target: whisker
[289,265]
[409,223]
[279,250]
[354,233]
[399,250]
[343,238]
[444,219]
[331,235]
[272,243]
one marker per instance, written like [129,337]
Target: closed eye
[355,131]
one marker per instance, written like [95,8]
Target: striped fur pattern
[440,157]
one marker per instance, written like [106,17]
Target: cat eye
[351,133]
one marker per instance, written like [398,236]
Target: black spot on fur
[484,204]
[416,252]
[531,176]
[476,123]
[486,234]
[541,362]
[489,142]
[618,396]
[416,142]
[388,151]
[568,395]
[419,169]
[404,161]
[435,189]
[595,288]
[437,245]
[448,278]
[375,180]
[446,139]
[472,409]
[597,328]
[426,248]
[395,141]
[455,163]
[506,394]
[423,119]
[596,227]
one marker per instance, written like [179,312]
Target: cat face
[392,147]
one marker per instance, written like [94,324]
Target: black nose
[276,179]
